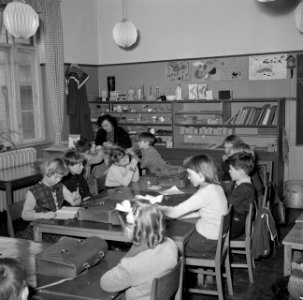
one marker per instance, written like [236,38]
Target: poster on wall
[178,70]
[227,68]
[267,67]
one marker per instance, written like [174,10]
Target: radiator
[13,159]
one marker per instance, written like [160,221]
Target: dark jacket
[72,182]
[121,137]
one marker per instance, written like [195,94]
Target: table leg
[37,234]
[287,259]
[9,202]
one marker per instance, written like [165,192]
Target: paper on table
[151,199]
[172,191]
[67,212]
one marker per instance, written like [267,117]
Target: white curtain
[51,29]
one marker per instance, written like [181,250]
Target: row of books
[267,115]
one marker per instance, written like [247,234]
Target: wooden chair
[13,213]
[166,286]
[242,246]
[265,171]
[198,265]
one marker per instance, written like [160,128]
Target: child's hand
[134,162]
[76,195]
[130,151]
[224,157]
[49,215]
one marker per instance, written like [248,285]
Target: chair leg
[249,265]
[219,282]
[228,276]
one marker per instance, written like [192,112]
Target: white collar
[243,180]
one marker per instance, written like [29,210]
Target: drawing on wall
[227,68]
[233,67]
[178,70]
[267,67]
[205,69]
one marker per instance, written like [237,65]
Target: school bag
[264,232]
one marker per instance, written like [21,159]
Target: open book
[67,212]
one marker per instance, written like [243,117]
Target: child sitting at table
[208,204]
[151,158]
[46,197]
[123,169]
[243,194]
[151,256]
[74,181]
[12,280]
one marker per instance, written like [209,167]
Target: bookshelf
[191,127]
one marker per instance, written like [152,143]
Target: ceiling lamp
[125,33]
[266,0]
[299,16]
[20,19]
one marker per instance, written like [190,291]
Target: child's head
[201,169]
[12,280]
[83,145]
[230,142]
[147,224]
[53,170]
[240,165]
[74,161]
[145,140]
[242,148]
[119,156]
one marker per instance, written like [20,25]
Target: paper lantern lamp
[20,19]
[125,34]
[299,16]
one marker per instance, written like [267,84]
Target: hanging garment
[79,112]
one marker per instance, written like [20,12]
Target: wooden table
[86,286]
[16,178]
[177,229]
[23,250]
[292,241]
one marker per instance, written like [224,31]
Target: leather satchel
[70,256]
[103,212]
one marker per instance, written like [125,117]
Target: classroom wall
[80,31]
[178,29]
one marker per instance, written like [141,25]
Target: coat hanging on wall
[77,105]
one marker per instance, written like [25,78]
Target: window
[21,108]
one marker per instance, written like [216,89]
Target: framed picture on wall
[72,139]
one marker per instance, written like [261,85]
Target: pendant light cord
[123,11]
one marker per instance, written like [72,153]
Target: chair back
[265,172]
[166,286]
[223,240]
[249,218]
[15,210]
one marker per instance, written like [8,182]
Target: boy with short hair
[243,193]
[75,181]
[152,159]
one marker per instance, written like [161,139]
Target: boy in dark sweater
[243,192]
[75,181]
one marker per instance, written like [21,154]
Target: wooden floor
[267,271]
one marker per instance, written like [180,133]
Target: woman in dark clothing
[110,133]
